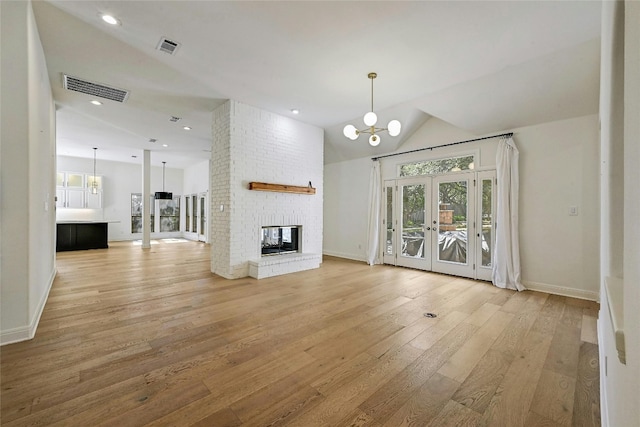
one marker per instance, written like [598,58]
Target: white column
[146,206]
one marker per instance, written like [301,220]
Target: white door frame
[203,217]
[485,225]
[414,252]
[466,266]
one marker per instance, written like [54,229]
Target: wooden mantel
[263,186]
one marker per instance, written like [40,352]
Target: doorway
[196,217]
[441,223]
[202,217]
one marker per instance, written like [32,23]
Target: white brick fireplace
[252,145]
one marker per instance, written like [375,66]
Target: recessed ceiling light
[109,19]
[186,128]
[295,111]
[94,102]
[164,145]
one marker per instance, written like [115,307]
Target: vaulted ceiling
[483,66]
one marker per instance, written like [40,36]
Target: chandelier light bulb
[350,132]
[374,140]
[370,119]
[394,127]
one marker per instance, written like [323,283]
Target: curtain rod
[509,134]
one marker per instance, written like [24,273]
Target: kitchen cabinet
[73,190]
[81,235]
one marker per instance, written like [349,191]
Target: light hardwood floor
[133,337]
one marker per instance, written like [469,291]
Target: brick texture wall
[250,144]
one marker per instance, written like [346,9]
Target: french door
[202,217]
[196,217]
[442,223]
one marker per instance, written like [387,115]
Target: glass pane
[430,167]
[136,212]
[487,222]
[74,180]
[170,214]
[60,179]
[136,224]
[194,203]
[136,204]
[413,220]
[452,222]
[202,217]
[389,221]
[187,212]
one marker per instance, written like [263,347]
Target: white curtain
[506,254]
[375,186]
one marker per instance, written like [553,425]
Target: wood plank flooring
[133,337]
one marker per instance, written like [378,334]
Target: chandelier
[163,195]
[370,119]
[94,183]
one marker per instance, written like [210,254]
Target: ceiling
[482,66]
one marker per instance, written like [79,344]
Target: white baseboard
[24,333]
[561,290]
[354,257]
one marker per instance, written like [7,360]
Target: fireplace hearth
[279,240]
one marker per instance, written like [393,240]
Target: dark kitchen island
[81,235]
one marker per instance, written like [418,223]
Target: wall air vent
[94,89]
[168,46]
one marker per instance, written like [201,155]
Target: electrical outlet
[573,211]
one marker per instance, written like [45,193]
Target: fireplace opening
[278,240]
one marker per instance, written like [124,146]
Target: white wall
[346,208]
[250,144]
[629,396]
[620,206]
[27,156]
[558,169]
[119,180]
[196,178]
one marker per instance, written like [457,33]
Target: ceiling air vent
[174,119]
[94,89]
[168,46]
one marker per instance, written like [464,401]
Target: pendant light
[163,195]
[370,120]
[94,183]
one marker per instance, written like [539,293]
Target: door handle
[428,228]
[435,228]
